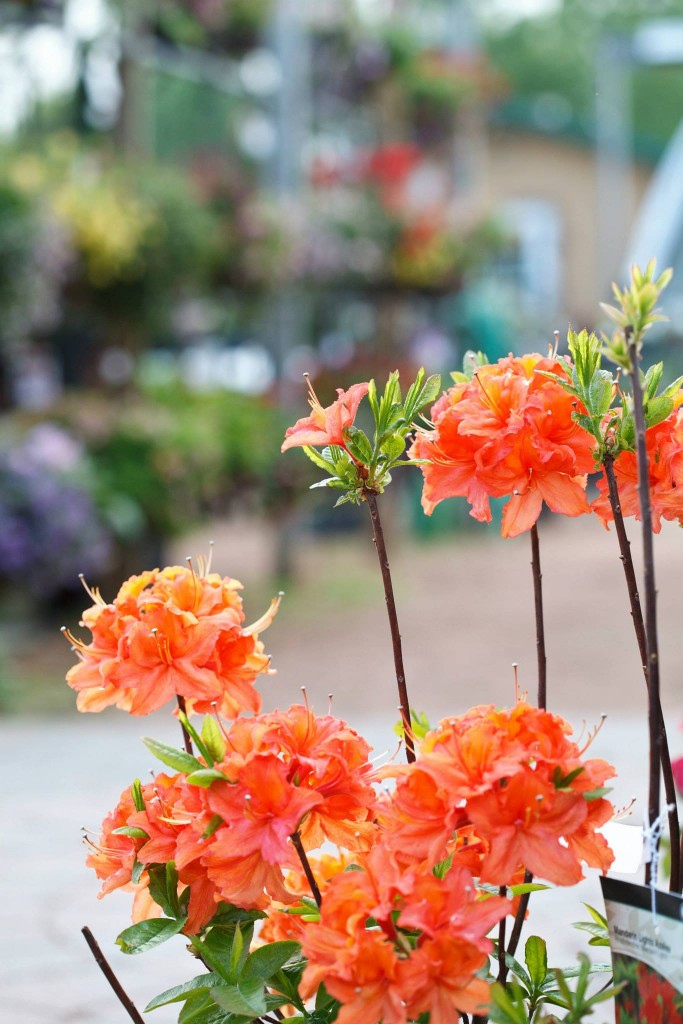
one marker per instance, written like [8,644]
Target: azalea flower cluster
[507,432]
[170,633]
[492,794]
[227,827]
[502,789]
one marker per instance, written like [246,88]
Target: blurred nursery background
[202,199]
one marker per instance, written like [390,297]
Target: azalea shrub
[311,882]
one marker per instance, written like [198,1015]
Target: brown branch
[502,966]
[378,533]
[516,932]
[538,606]
[639,628]
[651,643]
[308,871]
[124,999]
[187,739]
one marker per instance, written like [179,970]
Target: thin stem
[308,871]
[187,739]
[124,999]
[516,932]
[502,966]
[378,534]
[538,606]
[639,628]
[651,643]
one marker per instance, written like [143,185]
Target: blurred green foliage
[556,54]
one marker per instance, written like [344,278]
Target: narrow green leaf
[525,887]
[213,738]
[163,888]
[202,983]
[596,915]
[517,969]
[212,827]
[267,960]
[597,793]
[172,757]
[319,460]
[132,831]
[199,742]
[372,399]
[204,777]
[536,959]
[236,953]
[136,794]
[136,873]
[147,934]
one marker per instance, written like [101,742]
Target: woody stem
[187,739]
[651,643]
[502,966]
[538,606]
[378,533]
[519,916]
[639,628]
[123,997]
[305,864]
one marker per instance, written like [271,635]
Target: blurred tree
[554,55]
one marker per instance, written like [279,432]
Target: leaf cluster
[637,313]
[363,465]
[534,986]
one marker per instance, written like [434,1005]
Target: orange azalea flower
[664,447]
[326,426]
[507,432]
[524,822]
[170,633]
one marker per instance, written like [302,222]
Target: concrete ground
[466,613]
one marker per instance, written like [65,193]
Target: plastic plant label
[647,952]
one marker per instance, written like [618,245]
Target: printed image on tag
[647,952]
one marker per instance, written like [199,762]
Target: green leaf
[597,793]
[267,960]
[508,1010]
[394,446]
[236,953]
[657,410]
[213,738]
[202,983]
[136,873]
[146,934]
[132,831]
[372,399]
[517,969]
[204,777]
[525,887]
[596,915]
[201,1009]
[358,445]
[536,959]
[319,460]
[163,888]
[212,827]
[246,999]
[136,795]
[172,757]
[195,736]
[600,393]
[652,380]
